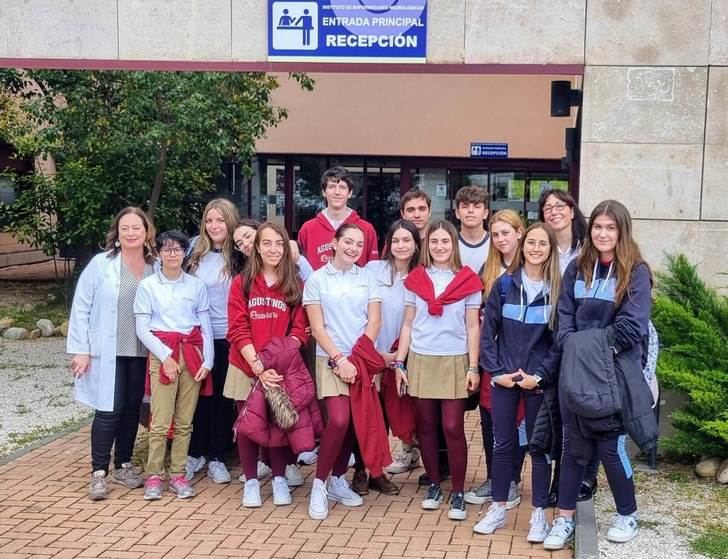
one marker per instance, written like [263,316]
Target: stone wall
[655,127]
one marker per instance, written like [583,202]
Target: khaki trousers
[176,402]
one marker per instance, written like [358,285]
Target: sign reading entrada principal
[347,30]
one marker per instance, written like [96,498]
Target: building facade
[654,75]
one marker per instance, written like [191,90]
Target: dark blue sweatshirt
[582,307]
[516,335]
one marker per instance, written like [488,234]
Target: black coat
[547,435]
[607,393]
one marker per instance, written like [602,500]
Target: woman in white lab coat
[109,361]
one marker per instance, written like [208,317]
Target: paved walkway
[45,513]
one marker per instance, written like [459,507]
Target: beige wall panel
[719,33]
[712,245]
[653,181]
[445,25]
[249,30]
[716,131]
[525,31]
[58,29]
[715,183]
[383,114]
[640,104]
[179,30]
[657,237]
[648,32]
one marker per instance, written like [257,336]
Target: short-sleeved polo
[440,335]
[344,298]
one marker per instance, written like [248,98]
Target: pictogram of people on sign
[304,23]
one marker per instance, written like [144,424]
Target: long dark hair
[578,223]
[389,257]
[239,259]
[627,253]
[287,280]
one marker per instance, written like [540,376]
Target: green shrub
[692,321]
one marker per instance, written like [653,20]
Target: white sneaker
[217,471]
[263,472]
[309,457]
[318,504]
[251,494]
[340,492]
[352,460]
[495,518]
[514,496]
[539,527]
[562,532]
[481,494]
[407,459]
[193,466]
[281,493]
[293,476]
[623,529]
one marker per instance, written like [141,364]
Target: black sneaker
[433,499]
[588,490]
[457,507]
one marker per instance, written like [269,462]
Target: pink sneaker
[153,488]
[181,487]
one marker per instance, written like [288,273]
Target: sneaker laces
[538,516]
[179,480]
[561,527]
[623,522]
[433,492]
[154,482]
[457,501]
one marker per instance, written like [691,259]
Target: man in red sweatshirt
[316,234]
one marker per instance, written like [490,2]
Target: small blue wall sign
[481,150]
[347,30]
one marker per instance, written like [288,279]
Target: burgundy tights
[453,425]
[337,439]
[248,452]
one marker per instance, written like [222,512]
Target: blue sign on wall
[347,30]
[489,151]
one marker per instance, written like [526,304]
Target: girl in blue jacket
[517,350]
[607,286]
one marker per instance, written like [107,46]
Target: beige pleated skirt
[237,384]
[327,383]
[437,376]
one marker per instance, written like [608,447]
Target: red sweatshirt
[316,235]
[264,315]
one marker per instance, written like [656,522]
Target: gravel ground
[37,391]
[674,508]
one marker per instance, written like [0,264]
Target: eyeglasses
[560,207]
[169,251]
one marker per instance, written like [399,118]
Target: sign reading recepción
[347,30]
[489,150]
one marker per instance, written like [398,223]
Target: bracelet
[472,369]
[340,360]
[337,357]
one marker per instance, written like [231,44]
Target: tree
[150,139]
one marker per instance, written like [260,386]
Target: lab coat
[92,330]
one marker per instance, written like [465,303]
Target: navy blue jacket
[516,335]
[583,307]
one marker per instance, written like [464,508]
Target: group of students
[535,326]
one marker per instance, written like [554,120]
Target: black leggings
[118,428]
[212,426]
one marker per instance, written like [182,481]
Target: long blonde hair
[204,244]
[551,268]
[627,253]
[493,265]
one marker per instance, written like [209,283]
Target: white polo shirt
[474,256]
[440,335]
[344,298]
[173,306]
[392,293]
